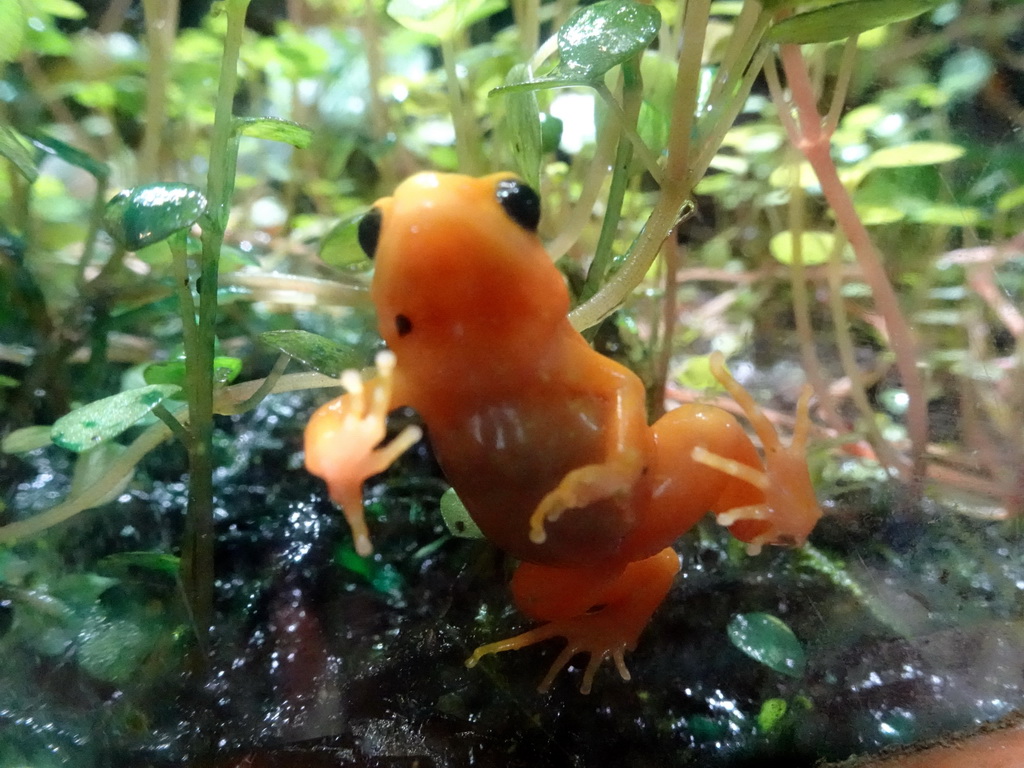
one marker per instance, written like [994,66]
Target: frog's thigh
[684,490]
[633,592]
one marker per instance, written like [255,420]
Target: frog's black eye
[520,202]
[369,231]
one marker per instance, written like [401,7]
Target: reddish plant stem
[812,139]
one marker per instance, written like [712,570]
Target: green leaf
[13,21]
[226,369]
[842,20]
[319,353]
[946,214]
[340,246]
[171,372]
[62,9]
[275,129]
[815,247]
[598,37]
[112,650]
[158,562]
[875,215]
[442,19]
[767,640]
[523,126]
[595,39]
[695,373]
[1010,200]
[772,711]
[915,153]
[18,150]
[550,132]
[457,517]
[92,424]
[26,439]
[72,155]
[145,215]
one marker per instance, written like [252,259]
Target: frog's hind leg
[599,612]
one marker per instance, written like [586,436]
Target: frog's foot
[790,509]
[343,442]
[625,603]
[597,634]
[582,487]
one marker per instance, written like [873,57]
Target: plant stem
[161,27]
[632,89]
[812,140]
[197,562]
[467,142]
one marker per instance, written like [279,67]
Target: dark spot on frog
[403,325]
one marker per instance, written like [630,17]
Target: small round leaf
[145,215]
[767,640]
[815,247]
[915,153]
[92,424]
[603,35]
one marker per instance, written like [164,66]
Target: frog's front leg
[625,451]
[343,442]
[599,612]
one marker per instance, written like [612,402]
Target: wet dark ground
[910,619]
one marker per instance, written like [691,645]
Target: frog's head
[457,261]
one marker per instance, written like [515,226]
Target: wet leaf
[71,155]
[915,153]
[26,439]
[145,215]
[226,369]
[767,640]
[18,150]
[457,517]
[815,247]
[275,129]
[601,36]
[92,424]
[842,20]
[594,40]
[318,352]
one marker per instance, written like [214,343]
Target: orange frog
[545,440]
